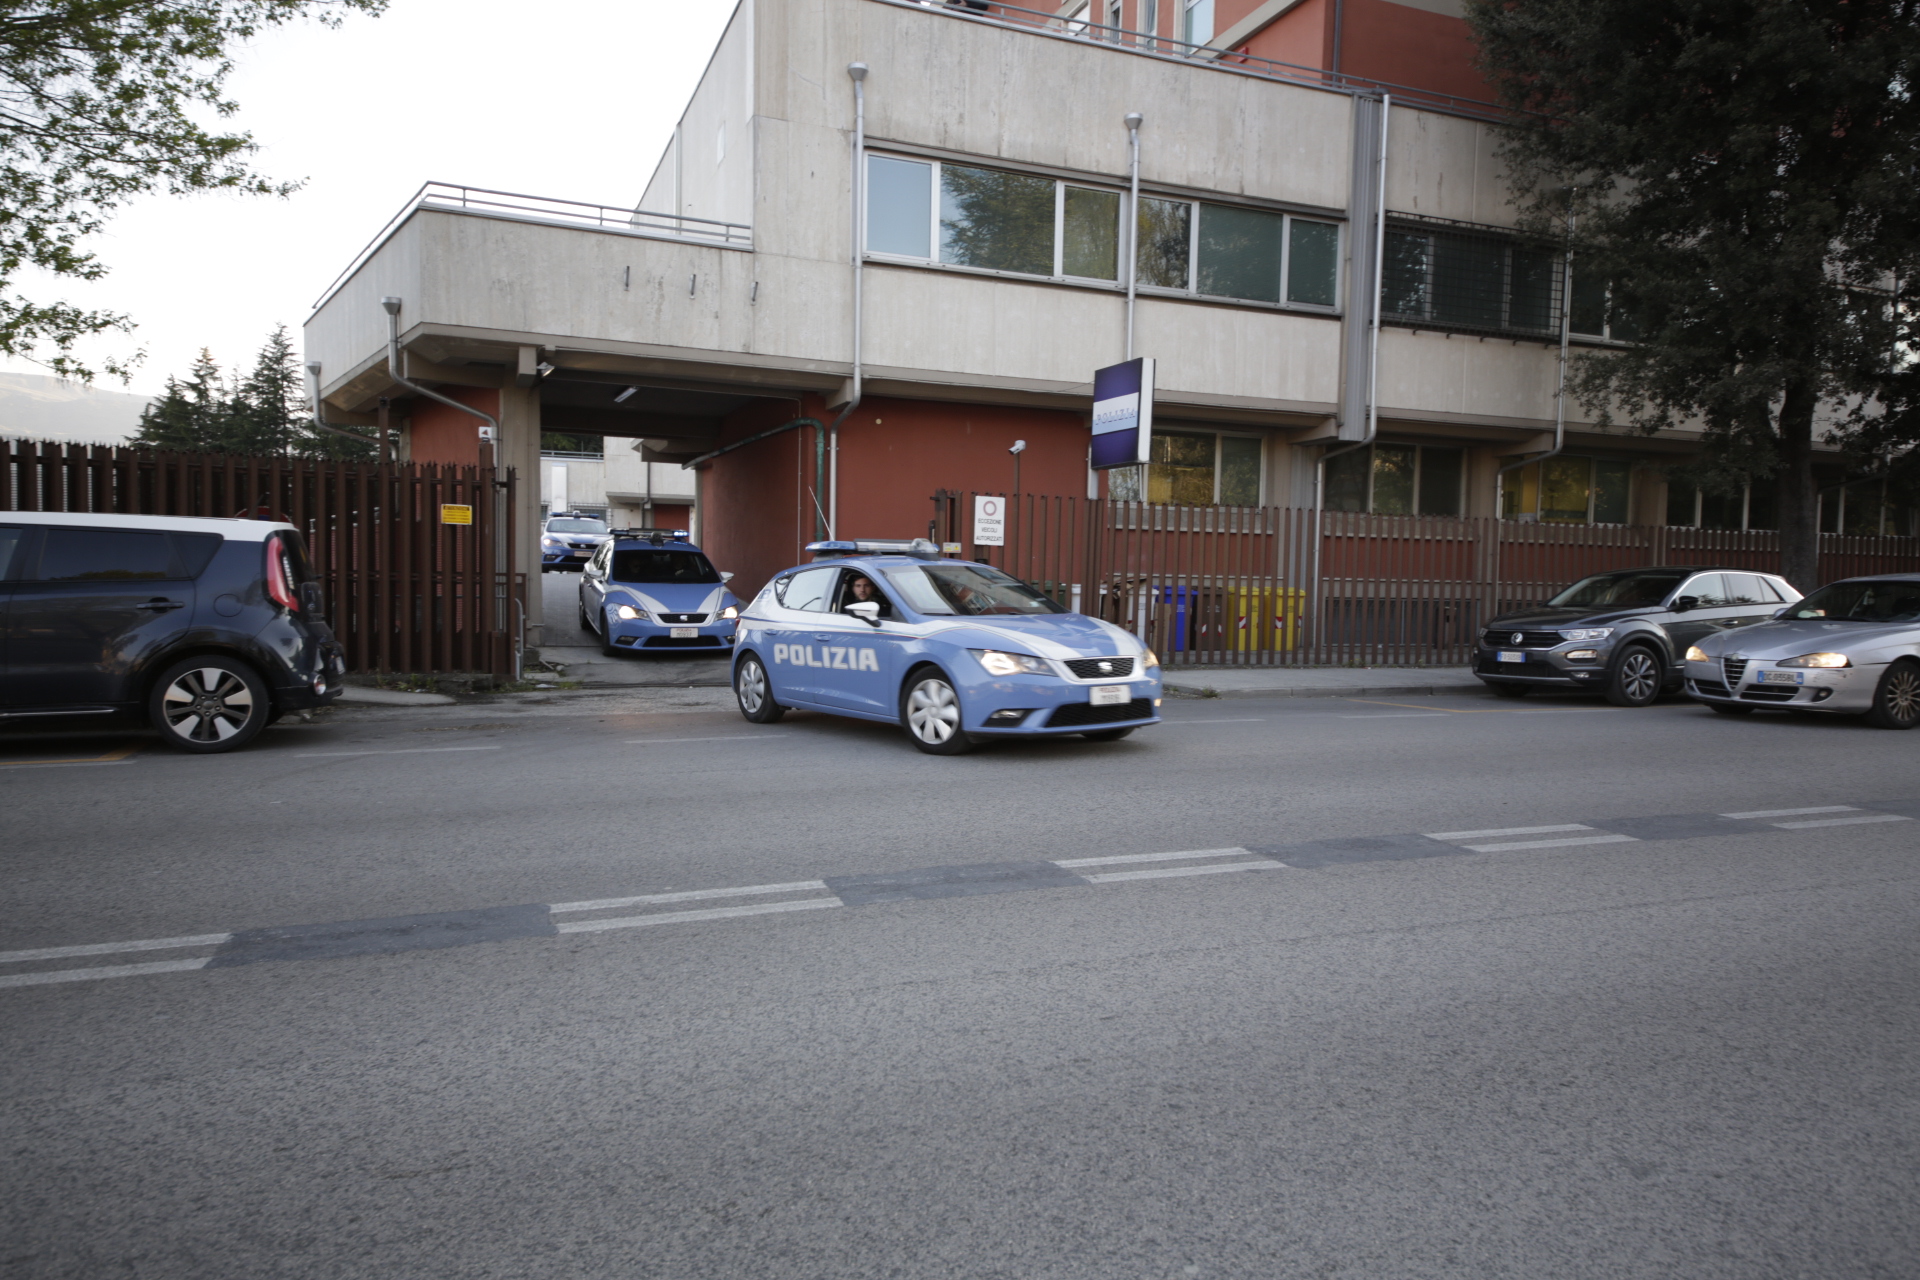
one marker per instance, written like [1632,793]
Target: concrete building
[614,482]
[731,322]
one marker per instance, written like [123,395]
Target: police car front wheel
[930,712]
[755,694]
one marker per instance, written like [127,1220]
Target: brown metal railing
[406,590]
[1243,586]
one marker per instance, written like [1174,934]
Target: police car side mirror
[865,610]
[726,576]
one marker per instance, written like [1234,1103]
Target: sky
[567,98]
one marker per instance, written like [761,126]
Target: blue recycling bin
[1185,600]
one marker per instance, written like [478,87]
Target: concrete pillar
[520,449]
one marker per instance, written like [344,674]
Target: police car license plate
[1511,655]
[1108,695]
[683,633]
[1783,677]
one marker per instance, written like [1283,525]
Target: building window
[1397,480]
[1460,279]
[1569,491]
[1196,21]
[1863,509]
[1193,468]
[1116,19]
[996,220]
[1691,507]
[1596,314]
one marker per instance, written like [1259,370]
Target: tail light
[280,578]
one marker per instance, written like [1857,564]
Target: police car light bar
[654,535]
[918,548]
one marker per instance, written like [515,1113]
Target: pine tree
[192,417]
[268,406]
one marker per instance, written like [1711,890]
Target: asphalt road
[624,986]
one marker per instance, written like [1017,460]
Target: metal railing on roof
[1052,22]
[518,207]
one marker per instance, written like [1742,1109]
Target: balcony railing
[1052,22]
[516,207]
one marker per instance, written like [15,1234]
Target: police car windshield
[1635,590]
[576,526]
[966,589]
[651,564]
[1861,602]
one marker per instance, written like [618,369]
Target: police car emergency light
[951,650]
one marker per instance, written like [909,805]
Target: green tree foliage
[265,412]
[97,99]
[1743,177]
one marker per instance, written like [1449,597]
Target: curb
[394,697]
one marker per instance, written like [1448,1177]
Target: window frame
[1144,470]
[1593,493]
[1123,241]
[1419,477]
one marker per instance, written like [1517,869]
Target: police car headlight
[1148,658]
[1007,664]
[729,613]
[549,542]
[627,613]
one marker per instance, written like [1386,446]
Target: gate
[408,586]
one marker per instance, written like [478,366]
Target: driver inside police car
[860,590]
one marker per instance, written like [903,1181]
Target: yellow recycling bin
[1266,619]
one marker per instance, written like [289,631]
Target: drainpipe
[320,424]
[753,439]
[492,432]
[858,72]
[1560,392]
[1373,355]
[1133,120]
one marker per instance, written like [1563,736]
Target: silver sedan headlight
[1815,660]
[1007,664]
[1696,654]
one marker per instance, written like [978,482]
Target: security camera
[1019,446]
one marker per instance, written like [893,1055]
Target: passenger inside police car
[860,590]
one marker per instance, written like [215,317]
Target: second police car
[950,650]
[651,589]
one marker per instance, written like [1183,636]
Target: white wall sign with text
[989,521]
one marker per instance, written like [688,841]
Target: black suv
[1624,634]
[212,628]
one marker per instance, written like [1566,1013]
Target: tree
[269,413]
[264,413]
[194,416]
[96,99]
[1742,176]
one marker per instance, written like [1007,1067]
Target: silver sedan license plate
[1108,695]
[1783,677]
[1510,655]
[683,633]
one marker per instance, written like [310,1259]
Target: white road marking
[109,948]
[687,895]
[1789,813]
[1070,863]
[396,751]
[1843,822]
[688,917]
[1398,715]
[1221,720]
[730,737]
[1163,873]
[1506,831]
[1549,844]
[103,971]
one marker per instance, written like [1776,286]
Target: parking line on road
[1844,822]
[688,917]
[1221,720]
[113,948]
[1792,813]
[1506,831]
[1167,873]
[395,751]
[1113,859]
[1551,844]
[101,971]
[1393,715]
[729,737]
[685,895]
[119,755]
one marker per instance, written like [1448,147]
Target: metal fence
[408,586]
[1264,586]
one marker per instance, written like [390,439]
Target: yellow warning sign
[455,513]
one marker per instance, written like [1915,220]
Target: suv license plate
[1108,695]
[1783,677]
[683,633]
[1510,655]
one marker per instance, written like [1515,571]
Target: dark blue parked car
[211,628]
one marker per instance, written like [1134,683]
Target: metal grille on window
[1462,278]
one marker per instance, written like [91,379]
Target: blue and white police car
[951,650]
[651,589]
[569,538]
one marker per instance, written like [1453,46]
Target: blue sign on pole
[1122,414]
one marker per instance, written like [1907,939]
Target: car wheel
[1108,735]
[1509,690]
[1728,709]
[1896,703]
[209,704]
[930,713]
[754,692]
[1636,678]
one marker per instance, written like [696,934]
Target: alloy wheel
[207,704]
[933,712]
[1638,679]
[753,687]
[1896,704]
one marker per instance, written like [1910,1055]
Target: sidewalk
[595,670]
[1316,682]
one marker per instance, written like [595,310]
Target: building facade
[845,292]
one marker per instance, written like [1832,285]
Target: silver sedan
[1850,648]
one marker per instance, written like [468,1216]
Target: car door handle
[821,638]
[161,606]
